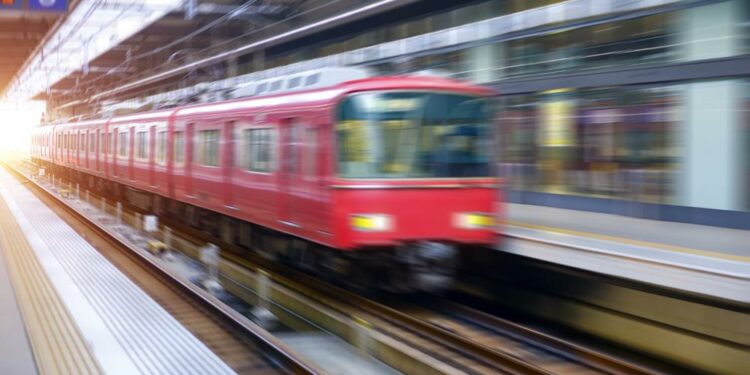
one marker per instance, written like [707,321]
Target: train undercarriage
[412,267]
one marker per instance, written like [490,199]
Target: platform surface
[707,260]
[124,328]
[16,356]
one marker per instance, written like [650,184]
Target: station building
[633,107]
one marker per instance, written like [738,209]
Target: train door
[117,139]
[98,150]
[152,155]
[229,138]
[131,153]
[189,150]
[289,176]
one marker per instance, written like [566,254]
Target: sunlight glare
[19,119]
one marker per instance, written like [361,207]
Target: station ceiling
[21,33]
[192,34]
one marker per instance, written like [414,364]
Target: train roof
[401,82]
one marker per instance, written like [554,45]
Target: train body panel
[380,215]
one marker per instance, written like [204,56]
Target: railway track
[465,340]
[244,347]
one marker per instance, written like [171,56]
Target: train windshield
[413,135]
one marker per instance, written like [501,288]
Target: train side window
[275,86]
[141,145]
[208,148]
[295,147]
[110,143]
[161,147]
[179,147]
[260,155]
[92,142]
[82,141]
[102,143]
[122,142]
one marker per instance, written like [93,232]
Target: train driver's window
[179,147]
[122,142]
[141,145]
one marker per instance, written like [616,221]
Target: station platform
[67,310]
[711,261]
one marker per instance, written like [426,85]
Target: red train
[379,180]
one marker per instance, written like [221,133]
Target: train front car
[414,183]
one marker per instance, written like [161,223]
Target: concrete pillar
[712,146]
[483,63]
[711,140]
[710,31]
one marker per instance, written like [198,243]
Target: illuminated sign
[35,5]
[11,4]
[48,5]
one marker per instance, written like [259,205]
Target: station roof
[168,39]
[21,33]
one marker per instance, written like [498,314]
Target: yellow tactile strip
[56,342]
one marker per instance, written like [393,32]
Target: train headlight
[371,222]
[474,220]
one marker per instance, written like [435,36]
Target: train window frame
[141,145]
[103,143]
[203,152]
[276,85]
[250,144]
[92,142]
[161,147]
[178,147]
[122,144]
